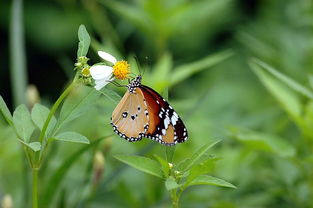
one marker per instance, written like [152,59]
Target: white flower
[104,74]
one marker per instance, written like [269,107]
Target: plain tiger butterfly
[142,112]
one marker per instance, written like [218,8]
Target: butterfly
[142,112]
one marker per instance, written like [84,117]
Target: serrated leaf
[171,184]
[5,112]
[210,180]
[287,98]
[287,80]
[58,176]
[84,41]
[164,165]
[23,123]
[265,142]
[110,94]
[71,137]
[39,116]
[196,157]
[77,103]
[183,72]
[142,163]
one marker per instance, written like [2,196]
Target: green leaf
[196,157]
[264,142]
[110,94]
[171,184]
[164,164]
[287,80]
[58,176]
[23,123]
[84,41]
[202,168]
[287,98]
[5,112]
[210,180]
[183,72]
[71,137]
[40,114]
[77,103]
[142,163]
[35,146]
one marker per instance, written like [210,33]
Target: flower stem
[35,187]
[54,108]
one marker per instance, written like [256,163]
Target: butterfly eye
[139,108]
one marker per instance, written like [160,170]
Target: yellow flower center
[86,72]
[121,70]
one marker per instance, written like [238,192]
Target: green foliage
[189,172]
[5,111]
[71,137]
[76,105]
[40,114]
[84,41]
[141,163]
[210,180]
[236,70]
[264,142]
[59,175]
[22,122]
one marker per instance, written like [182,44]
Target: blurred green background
[266,124]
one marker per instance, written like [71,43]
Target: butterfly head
[136,82]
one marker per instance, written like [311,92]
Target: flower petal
[101,72]
[101,83]
[107,57]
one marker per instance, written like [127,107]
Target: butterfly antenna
[138,65]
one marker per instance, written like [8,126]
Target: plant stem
[17,54]
[174,198]
[54,108]
[35,187]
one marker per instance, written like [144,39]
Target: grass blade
[287,80]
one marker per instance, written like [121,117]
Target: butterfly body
[142,112]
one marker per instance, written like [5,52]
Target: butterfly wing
[165,126]
[130,119]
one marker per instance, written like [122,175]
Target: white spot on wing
[166,122]
[174,120]
[163,131]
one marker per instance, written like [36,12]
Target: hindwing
[165,126]
[130,119]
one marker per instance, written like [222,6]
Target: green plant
[179,176]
